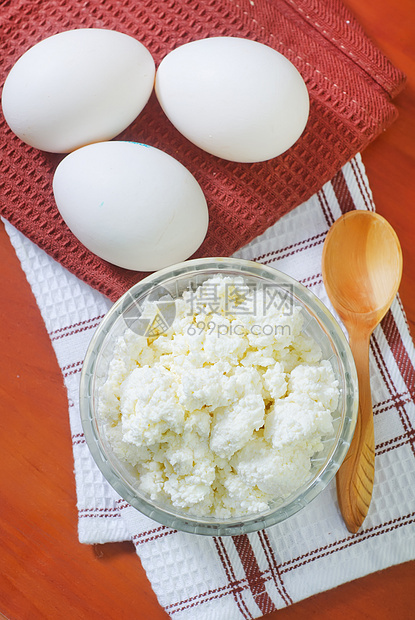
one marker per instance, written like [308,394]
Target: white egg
[131,204]
[233,97]
[77,87]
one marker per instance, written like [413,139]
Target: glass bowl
[171,282]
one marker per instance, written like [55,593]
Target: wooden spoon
[362,268]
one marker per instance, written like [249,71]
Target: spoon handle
[356,474]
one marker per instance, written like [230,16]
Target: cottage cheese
[221,413]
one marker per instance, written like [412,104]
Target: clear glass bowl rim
[209,526]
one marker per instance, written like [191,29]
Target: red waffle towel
[350,84]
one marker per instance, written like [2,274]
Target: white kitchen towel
[201,578]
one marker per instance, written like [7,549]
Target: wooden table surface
[45,573]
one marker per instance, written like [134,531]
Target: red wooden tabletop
[45,573]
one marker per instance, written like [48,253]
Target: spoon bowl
[362,269]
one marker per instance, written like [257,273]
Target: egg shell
[77,87]
[234,98]
[131,204]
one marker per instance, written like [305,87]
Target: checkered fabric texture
[349,81]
